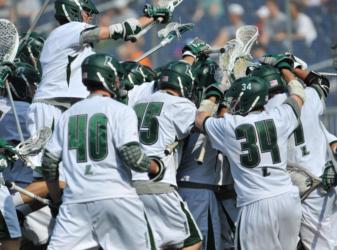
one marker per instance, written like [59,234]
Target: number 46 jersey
[256,146]
[87,139]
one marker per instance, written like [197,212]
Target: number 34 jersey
[163,119]
[256,146]
[87,139]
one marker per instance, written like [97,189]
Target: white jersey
[163,119]
[8,129]
[307,147]
[189,170]
[140,92]
[256,147]
[87,139]
[61,59]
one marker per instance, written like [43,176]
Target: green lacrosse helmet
[70,10]
[101,71]
[24,82]
[246,94]
[204,72]
[177,75]
[272,75]
[136,74]
[30,49]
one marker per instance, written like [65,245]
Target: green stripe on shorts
[194,231]
[152,242]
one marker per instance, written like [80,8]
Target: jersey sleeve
[184,118]
[330,137]
[55,144]
[126,129]
[215,130]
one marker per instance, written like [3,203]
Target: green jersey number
[92,135]
[148,124]
[265,133]
[299,139]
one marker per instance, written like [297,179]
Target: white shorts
[113,224]
[205,210]
[317,219]
[272,223]
[172,223]
[10,227]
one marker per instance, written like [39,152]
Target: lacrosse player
[254,142]
[64,51]
[164,117]
[97,140]
[200,185]
[309,151]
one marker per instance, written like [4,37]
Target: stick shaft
[328,74]
[29,194]
[17,121]
[170,148]
[201,157]
[149,52]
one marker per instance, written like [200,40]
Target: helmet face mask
[246,95]
[136,74]
[71,10]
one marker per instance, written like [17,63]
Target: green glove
[6,70]
[125,30]
[196,48]
[158,12]
[216,90]
[280,61]
[329,177]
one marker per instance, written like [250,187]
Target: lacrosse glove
[280,61]
[160,174]
[216,90]
[125,30]
[298,63]
[196,48]
[7,69]
[329,177]
[158,12]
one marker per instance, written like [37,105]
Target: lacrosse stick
[245,38]
[168,34]
[170,148]
[170,4]
[201,157]
[9,43]
[34,144]
[328,74]
[13,186]
[303,179]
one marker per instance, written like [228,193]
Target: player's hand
[162,14]
[329,177]
[196,48]
[124,30]
[159,175]
[214,90]
[280,61]
[6,70]
[298,63]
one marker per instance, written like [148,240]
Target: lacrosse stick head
[34,144]
[245,38]
[173,30]
[9,41]
[171,4]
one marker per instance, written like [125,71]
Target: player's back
[93,132]
[307,146]
[163,119]
[61,59]
[256,147]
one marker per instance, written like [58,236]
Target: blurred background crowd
[308,28]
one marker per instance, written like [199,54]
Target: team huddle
[166,158]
